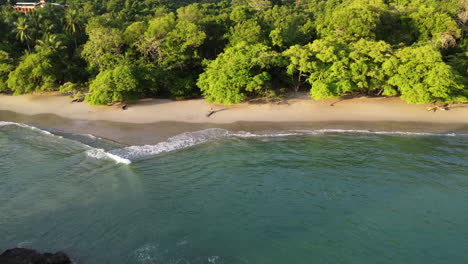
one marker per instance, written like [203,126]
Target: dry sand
[195,111]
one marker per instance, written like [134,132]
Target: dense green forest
[229,51]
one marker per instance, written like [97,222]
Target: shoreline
[150,121]
[141,123]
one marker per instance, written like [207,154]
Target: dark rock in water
[30,256]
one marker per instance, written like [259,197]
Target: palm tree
[35,22]
[49,42]
[73,23]
[22,31]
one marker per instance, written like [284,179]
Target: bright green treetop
[35,72]
[237,73]
[421,76]
[119,84]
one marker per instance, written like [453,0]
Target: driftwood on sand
[435,107]
[211,112]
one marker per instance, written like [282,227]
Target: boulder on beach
[31,256]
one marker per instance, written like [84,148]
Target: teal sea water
[214,196]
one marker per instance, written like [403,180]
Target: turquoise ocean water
[213,196]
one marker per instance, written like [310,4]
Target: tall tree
[73,24]
[23,31]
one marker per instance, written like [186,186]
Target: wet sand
[139,134]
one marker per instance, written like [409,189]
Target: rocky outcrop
[30,256]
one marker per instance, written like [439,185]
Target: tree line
[229,51]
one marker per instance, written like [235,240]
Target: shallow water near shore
[226,196]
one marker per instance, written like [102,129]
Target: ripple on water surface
[216,196]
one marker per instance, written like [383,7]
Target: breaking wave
[189,139]
[92,152]
[102,154]
[5,123]
[125,155]
[180,141]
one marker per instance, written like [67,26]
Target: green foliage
[192,13]
[73,24]
[249,31]
[421,76]
[434,25]
[241,13]
[178,84]
[103,50]
[70,87]
[446,6]
[289,27]
[134,32]
[352,22]
[171,43]
[126,49]
[179,46]
[35,72]
[117,85]
[397,28]
[367,59]
[6,66]
[161,26]
[260,4]
[236,73]
[23,32]
[333,67]
[459,59]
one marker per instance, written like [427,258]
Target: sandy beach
[154,120]
[195,111]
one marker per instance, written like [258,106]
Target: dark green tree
[6,66]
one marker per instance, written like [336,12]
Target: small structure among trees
[27,7]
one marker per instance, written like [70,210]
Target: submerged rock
[31,256]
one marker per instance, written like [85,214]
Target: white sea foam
[358,131]
[6,123]
[213,259]
[90,136]
[91,152]
[243,134]
[185,140]
[190,139]
[147,254]
[180,141]
[102,154]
